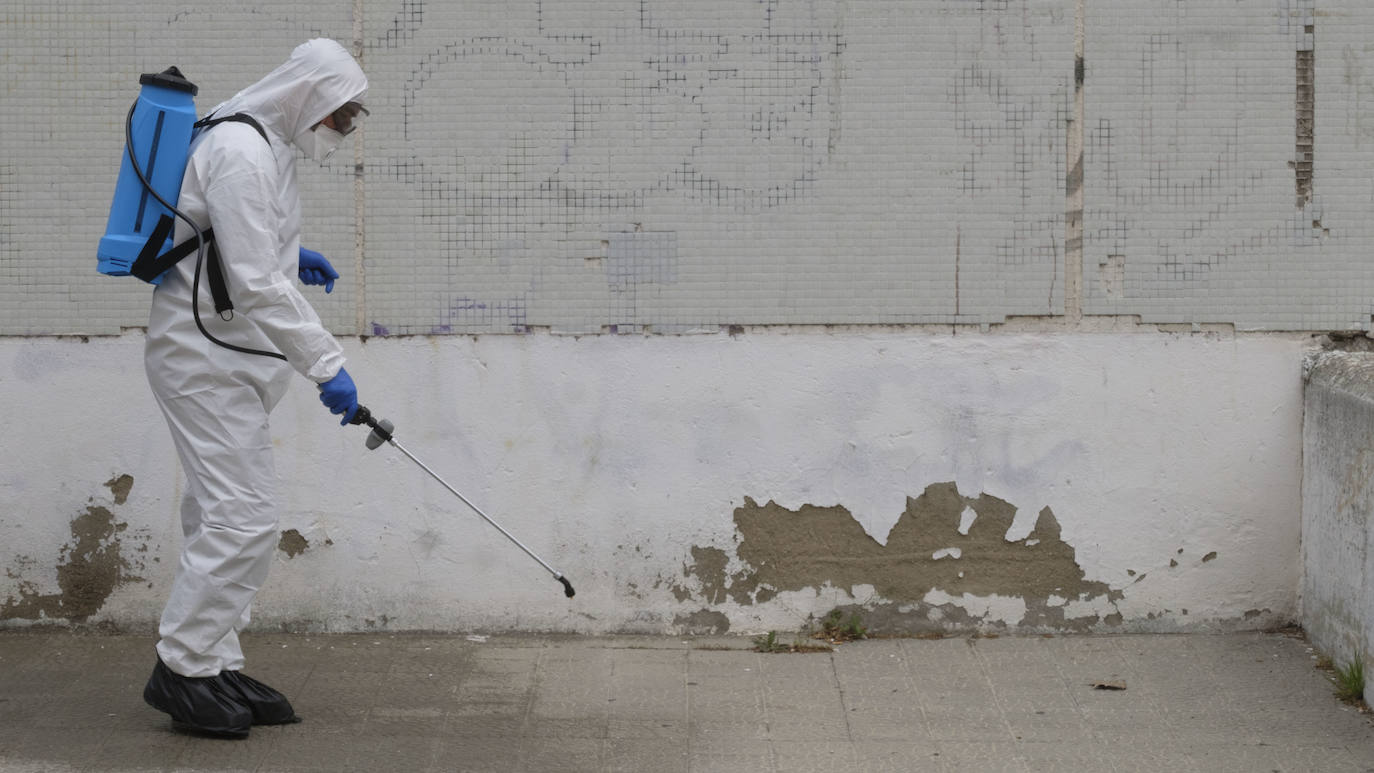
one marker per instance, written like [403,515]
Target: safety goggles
[347,118]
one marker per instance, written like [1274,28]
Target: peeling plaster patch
[120,486]
[787,550]
[946,552]
[91,566]
[996,609]
[709,568]
[1088,609]
[917,619]
[1022,525]
[966,520]
[292,543]
[704,622]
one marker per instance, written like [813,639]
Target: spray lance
[381,433]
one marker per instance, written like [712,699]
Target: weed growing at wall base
[769,643]
[836,628]
[1349,680]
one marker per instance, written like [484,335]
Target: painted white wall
[612,456]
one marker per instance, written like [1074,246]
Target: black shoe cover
[269,707]
[202,704]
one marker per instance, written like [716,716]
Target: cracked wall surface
[1157,475]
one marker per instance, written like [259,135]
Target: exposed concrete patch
[292,543]
[704,622]
[787,550]
[120,486]
[709,567]
[91,566]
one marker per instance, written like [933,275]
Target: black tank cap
[170,78]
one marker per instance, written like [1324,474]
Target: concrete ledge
[1337,602]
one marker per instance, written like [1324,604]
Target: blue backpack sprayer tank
[138,237]
[157,135]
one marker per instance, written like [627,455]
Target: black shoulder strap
[209,121]
[149,265]
[214,270]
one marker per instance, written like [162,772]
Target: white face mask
[320,143]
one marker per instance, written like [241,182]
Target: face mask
[320,143]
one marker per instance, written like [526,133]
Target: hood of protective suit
[317,79]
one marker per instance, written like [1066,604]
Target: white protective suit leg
[226,651]
[229,522]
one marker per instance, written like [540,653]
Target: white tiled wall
[625,165]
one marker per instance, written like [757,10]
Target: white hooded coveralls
[216,401]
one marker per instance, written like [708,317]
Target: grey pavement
[404,702]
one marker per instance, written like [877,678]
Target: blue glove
[340,396]
[315,270]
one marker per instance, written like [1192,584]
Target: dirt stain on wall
[292,543]
[709,566]
[89,568]
[926,551]
[705,622]
[120,487]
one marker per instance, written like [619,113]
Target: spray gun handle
[381,430]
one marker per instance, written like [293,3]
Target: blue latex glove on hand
[340,396]
[315,270]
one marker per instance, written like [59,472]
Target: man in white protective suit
[216,395]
